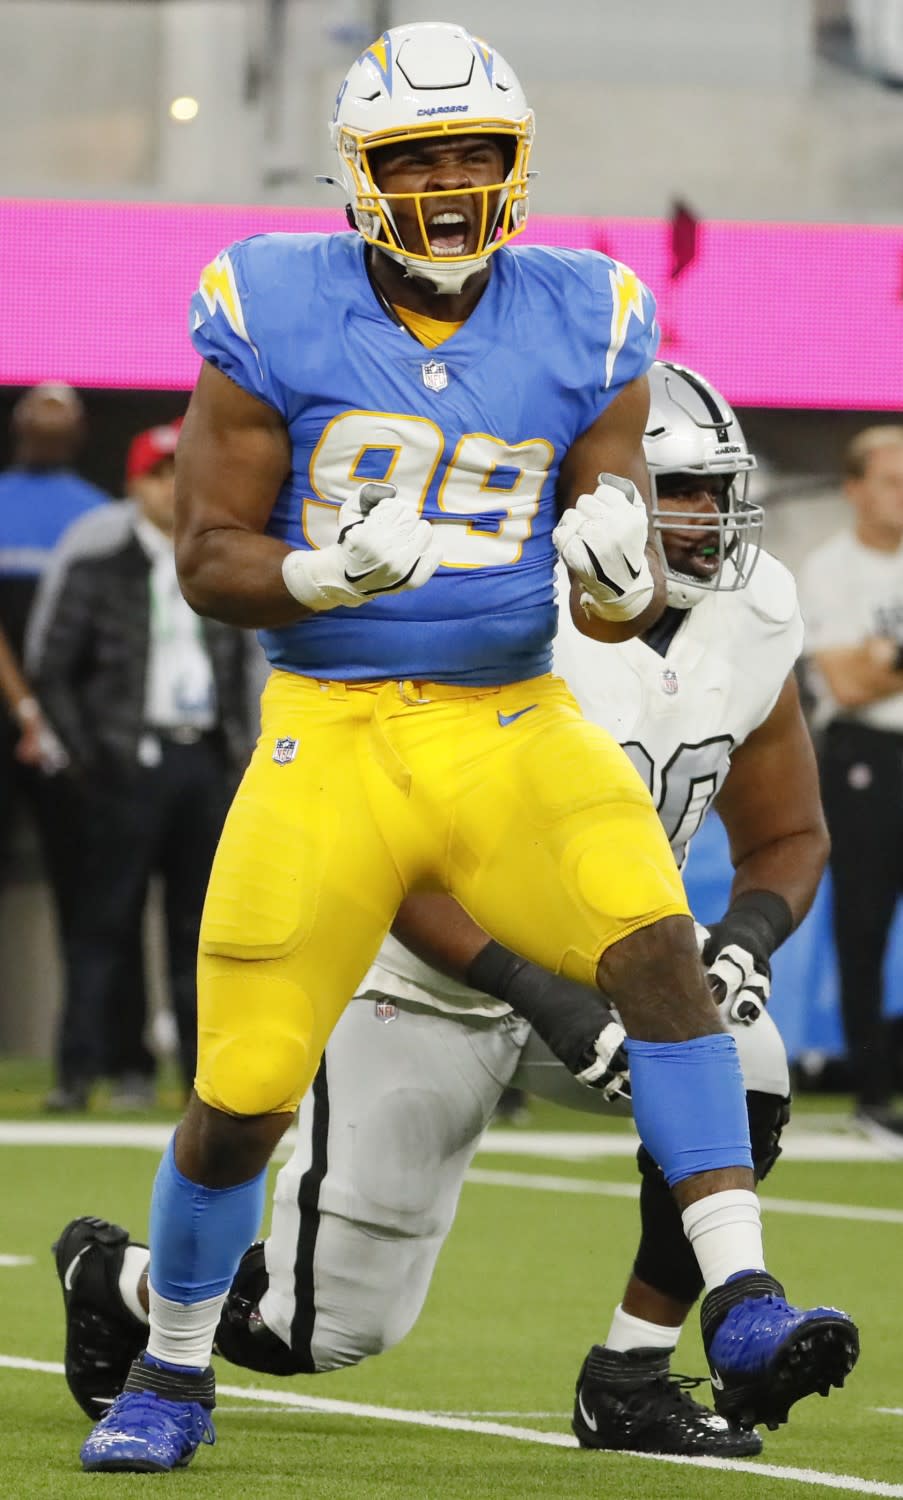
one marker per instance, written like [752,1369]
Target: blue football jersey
[473,433]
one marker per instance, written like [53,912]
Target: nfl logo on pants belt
[284,751]
[386,1011]
[435,375]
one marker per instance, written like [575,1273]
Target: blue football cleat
[764,1355]
[148,1432]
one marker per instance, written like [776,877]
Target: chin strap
[445,280]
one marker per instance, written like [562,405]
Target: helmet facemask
[502,206]
[729,537]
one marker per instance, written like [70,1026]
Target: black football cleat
[629,1402]
[103,1336]
[242,1336]
[764,1354]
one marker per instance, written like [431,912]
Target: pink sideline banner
[774,314]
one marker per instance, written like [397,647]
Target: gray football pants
[384,1140]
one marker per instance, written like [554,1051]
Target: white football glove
[609,1073]
[603,542]
[384,547]
[740,980]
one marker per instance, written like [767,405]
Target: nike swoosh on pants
[505,719]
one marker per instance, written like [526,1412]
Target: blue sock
[199,1234]
[689,1104]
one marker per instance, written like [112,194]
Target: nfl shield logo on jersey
[284,751]
[435,375]
[670,683]
[386,1011]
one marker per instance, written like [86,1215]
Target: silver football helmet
[693,434]
[431,79]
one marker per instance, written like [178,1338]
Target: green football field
[476,1403]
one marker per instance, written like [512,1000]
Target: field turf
[476,1402]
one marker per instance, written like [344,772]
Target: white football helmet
[431,79]
[692,431]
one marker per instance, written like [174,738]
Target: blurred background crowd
[127,720]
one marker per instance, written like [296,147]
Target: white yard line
[561,1145]
[579,1185]
[82,1133]
[17,1260]
[851,1483]
[800,1144]
[546,1416]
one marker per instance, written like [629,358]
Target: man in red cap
[152,706]
[149,451]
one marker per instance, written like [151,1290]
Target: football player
[393,433]
[706,704]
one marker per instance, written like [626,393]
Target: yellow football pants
[505,797]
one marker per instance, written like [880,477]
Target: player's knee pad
[665,1258]
[368,1320]
[258,1038]
[336,1347]
[370,1287]
[262,1073]
[768,1114]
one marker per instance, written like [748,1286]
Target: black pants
[139,821]
[862,790]
[51,802]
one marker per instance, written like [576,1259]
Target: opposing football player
[706,704]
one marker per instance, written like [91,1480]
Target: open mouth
[448,233]
[699,558]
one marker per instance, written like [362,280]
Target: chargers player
[707,704]
[412,734]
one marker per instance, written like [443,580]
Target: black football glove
[573,1020]
[607,1069]
[737,950]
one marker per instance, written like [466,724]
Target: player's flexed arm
[233,458]
[772,811]
[617,584]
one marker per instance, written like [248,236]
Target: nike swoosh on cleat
[591,1422]
[717,1382]
[505,719]
[70,1270]
[634,572]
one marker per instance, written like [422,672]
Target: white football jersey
[678,716]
